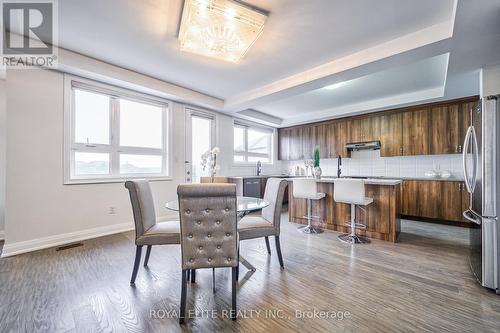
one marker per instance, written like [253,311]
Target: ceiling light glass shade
[221,29]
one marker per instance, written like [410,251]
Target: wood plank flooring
[421,284]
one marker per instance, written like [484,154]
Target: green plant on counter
[316,157]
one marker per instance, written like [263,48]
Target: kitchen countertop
[371,179]
[368,181]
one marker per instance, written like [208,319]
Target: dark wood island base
[382,217]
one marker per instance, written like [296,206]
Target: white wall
[40,210]
[3,137]
[369,163]
[490,81]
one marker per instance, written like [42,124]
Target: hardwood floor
[420,284]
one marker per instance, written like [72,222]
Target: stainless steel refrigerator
[481,158]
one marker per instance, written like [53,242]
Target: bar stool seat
[306,188]
[352,192]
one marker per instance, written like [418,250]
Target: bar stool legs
[309,229]
[352,238]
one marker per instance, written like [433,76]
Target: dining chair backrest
[208,217]
[143,206]
[274,194]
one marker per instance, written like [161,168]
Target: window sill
[113,180]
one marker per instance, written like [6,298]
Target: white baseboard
[11,249]
[2,235]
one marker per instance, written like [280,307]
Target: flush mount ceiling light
[221,29]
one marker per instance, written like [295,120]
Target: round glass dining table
[245,205]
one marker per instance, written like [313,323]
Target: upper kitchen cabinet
[296,144]
[338,137]
[391,134]
[364,129]
[437,128]
[445,130]
[284,140]
[416,132]
[308,141]
[321,140]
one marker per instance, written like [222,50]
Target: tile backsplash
[369,163]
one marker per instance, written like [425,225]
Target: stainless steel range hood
[371,145]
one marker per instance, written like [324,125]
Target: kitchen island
[381,217]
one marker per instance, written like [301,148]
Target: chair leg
[138,252]
[267,245]
[182,314]
[188,276]
[233,293]
[193,275]
[148,253]
[278,250]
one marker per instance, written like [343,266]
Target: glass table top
[245,204]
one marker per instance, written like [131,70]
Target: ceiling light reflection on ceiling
[221,29]
[334,86]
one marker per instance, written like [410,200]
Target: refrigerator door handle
[476,158]
[464,159]
[472,216]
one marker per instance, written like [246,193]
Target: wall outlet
[112,210]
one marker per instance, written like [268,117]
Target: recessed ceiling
[363,93]
[305,45]
[298,35]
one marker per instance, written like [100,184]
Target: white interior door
[200,137]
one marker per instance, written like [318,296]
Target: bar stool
[305,188]
[352,191]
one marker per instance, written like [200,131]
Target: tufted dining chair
[209,237]
[148,231]
[268,224]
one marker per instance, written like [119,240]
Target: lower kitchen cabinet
[439,200]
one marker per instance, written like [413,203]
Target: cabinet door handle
[459,148]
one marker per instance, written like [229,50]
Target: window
[252,144]
[112,134]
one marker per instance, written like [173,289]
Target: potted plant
[317,170]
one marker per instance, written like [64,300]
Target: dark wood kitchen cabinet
[416,132]
[284,141]
[321,140]
[391,134]
[338,137]
[436,128]
[296,144]
[364,129]
[433,199]
[445,130]
[308,141]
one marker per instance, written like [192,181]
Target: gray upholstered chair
[268,224]
[148,231]
[209,236]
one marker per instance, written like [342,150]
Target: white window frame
[245,153]
[113,149]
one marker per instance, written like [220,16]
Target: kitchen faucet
[259,168]
[339,166]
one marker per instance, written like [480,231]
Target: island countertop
[368,181]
